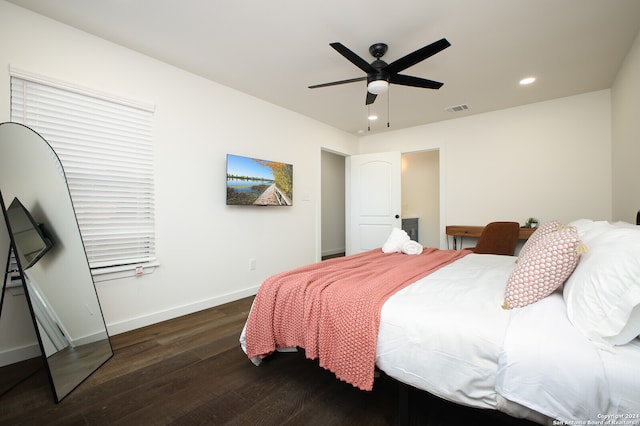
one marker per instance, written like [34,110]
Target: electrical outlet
[252,264]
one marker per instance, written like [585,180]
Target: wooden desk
[475,232]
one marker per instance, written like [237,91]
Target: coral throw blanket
[332,308]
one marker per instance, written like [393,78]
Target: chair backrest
[498,238]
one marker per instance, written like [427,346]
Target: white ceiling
[275,49]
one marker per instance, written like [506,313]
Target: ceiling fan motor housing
[380,73]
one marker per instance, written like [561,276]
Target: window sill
[126,271]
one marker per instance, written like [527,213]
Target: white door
[372,199]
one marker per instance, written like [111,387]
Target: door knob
[397,216]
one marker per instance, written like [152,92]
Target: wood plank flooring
[191,371]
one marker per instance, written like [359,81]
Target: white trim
[124,271]
[37,78]
[22,353]
[178,311]
[330,252]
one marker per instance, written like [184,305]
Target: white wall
[203,246]
[550,160]
[625,99]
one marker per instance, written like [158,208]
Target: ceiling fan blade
[370,98]
[417,56]
[407,80]
[353,58]
[334,83]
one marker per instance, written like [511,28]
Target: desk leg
[456,242]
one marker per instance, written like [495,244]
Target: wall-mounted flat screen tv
[252,181]
[29,238]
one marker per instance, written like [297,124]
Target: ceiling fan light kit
[377,87]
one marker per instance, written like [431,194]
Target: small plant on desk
[532,222]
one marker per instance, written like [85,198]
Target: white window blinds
[105,147]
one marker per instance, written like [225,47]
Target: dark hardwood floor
[192,371]
[332,256]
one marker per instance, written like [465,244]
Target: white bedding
[546,365]
[444,332]
[447,334]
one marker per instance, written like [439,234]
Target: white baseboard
[14,355]
[330,252]
[145,320]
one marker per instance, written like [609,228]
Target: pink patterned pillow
[544,229]
[543,268]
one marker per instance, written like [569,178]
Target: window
[105,147]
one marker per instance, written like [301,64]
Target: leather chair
[498,238]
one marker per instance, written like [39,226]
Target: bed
[551,335]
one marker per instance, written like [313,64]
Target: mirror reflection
[51,259]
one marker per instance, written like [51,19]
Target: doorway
[333,205]
[421,194]
[420,198]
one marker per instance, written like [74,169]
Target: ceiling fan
[380,74]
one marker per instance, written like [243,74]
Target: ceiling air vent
[457,108]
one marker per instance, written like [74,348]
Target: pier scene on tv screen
[252,181]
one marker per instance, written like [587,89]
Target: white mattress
[622,369]
[447,334]
[443,333]
[545,364]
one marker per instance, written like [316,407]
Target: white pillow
[603,293]
[589,229]
[622,224]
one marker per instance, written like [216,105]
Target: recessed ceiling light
[527,80]
[372,117]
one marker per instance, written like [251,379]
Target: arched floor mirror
[57,281]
